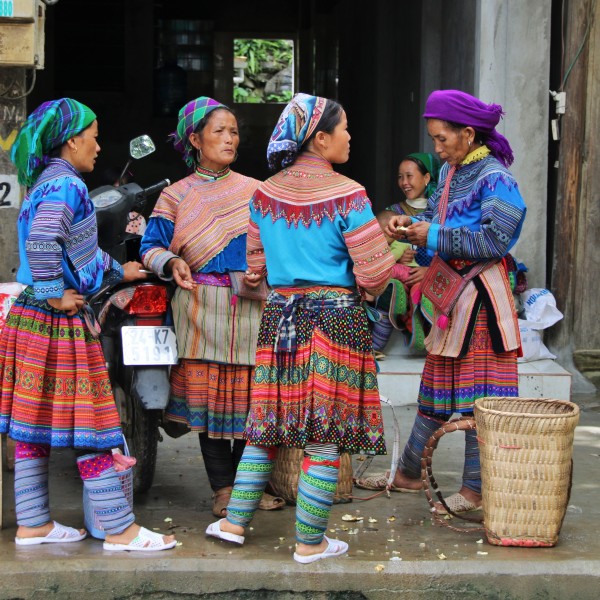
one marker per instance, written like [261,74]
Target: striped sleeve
[373,260]
[502,215]
[254,250]
[44,246]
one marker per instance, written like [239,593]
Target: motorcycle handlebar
[157,187]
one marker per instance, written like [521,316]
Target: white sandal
[214,530]
[145,541]
[60,534]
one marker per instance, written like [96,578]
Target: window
[263,70]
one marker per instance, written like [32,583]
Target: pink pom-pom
[442,322]
[233,300]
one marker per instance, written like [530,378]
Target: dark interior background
[113,59]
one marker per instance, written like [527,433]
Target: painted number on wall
[10,191]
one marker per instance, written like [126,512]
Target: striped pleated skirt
[55,389]
[450,385]
[216,340]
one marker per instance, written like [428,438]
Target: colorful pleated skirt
[326,390]
[55,389]
[450,385]
[210,397]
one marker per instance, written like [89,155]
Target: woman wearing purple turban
[475,214]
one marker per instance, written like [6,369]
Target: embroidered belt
[285,340]
[216,279]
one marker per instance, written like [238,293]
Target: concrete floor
[395,551]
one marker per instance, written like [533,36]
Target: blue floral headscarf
[296,124]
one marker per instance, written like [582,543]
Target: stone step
[400,375]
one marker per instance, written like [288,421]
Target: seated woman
[417,178]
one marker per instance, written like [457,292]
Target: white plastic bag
[9,292]
[539,308]
[531,343]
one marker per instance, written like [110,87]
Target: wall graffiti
[12,114]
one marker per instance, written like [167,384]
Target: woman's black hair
[480,137]
[422,168]
[332,115]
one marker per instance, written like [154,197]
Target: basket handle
[429,482]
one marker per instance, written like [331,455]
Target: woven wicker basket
[526,448]
[284,479]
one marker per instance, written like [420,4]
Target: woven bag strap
[429,482]
[443,206]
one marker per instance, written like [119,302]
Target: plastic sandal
[60,534]
[334,548]
[145,541]
[214,530]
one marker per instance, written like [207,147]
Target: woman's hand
[253,279]
[132,271]
[181,273]
[393,225]
[417,233]
[70,303]
[416,275]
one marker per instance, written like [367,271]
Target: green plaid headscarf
[49,126]
[187,122]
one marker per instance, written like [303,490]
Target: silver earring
[199,155]
[470,143]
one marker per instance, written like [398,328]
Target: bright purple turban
[460,107]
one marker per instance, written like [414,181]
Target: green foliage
[264,57]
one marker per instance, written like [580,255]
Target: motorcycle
[137,336]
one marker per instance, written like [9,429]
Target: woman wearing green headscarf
[417,178]
[54,388]
[197,235]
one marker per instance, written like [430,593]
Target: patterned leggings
[316,488]
[100,481]
[425,425]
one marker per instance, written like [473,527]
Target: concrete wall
[12,115]
[513,69]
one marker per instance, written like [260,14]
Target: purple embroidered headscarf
[188,119]
[460,107]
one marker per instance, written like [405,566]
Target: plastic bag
[9,292]
[539,308]
[531,343]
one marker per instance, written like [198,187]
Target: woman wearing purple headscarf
[475,214]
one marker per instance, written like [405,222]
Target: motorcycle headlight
[107,198]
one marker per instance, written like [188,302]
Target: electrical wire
[590,18]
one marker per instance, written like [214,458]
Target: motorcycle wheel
[140,428]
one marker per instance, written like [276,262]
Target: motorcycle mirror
[141,146]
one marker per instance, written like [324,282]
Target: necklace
[210,174]
[476,155]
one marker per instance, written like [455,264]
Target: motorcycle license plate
[145,345]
